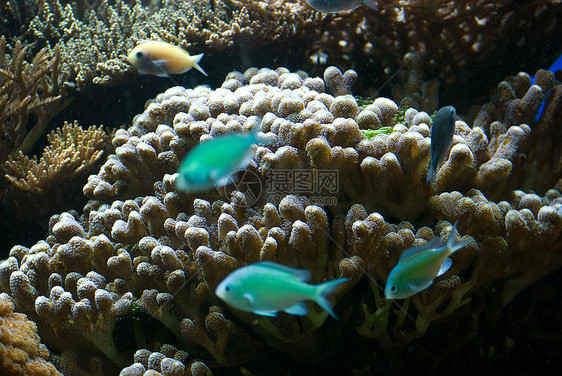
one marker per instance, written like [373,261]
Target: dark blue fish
[556,66]
[442,131]
[334,6]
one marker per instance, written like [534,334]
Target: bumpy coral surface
[21,353]
[144,259]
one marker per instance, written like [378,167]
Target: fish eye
[393,288]
[227,288]
[139,54]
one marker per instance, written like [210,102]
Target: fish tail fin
[431,175]
[196,60]
[452,244]
[256,129]
[322,292]
[371,4]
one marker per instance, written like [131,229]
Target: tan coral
[381,38]
[96,47]
[142,246]
[72,151]
[30,92]
[92,313]
[363,243]
[300,116]
[167,362]
[521,228]
[284,102]
[508,121]
[20,348]
[339,83]
[214,332]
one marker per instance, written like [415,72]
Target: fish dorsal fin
[371,4]
[300,274]
[445,266]
[410,252]
[452,244]
[298,309]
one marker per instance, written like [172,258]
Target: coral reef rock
[144,259]
[21,353]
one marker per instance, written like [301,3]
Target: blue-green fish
[334,6]
[419,266]
[211,163]
[266,288]
[442,132]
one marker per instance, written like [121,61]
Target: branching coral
[42,187]
[94,44]
[227,24]
[30,95]
[453,36]
[142,246]
[72,151]
[509,121]
[15,15]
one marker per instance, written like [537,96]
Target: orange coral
[21,352]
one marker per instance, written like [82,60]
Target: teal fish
[442,132]
[211,163]
[266,288]
[334,6]
[419,266]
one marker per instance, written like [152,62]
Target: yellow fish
[162,59]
